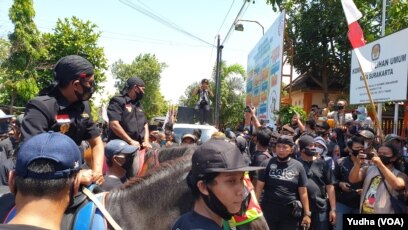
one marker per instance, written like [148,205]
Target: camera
[247,109]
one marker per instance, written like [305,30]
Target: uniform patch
[128,107]
[64,122]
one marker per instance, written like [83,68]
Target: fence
[388,125]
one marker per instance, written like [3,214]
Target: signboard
[264,73]
[388,80]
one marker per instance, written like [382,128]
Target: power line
[233,24]
[225,18]
[165,22]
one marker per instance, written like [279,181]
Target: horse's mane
[173,152]
[162,191]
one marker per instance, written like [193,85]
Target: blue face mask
[162,142]
[361,117]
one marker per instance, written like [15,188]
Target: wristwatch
[308,213]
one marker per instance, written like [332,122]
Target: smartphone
[362,155]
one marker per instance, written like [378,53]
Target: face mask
[319,150]
[386,160]
[340,107]
[86,93]
[310,152]
[139,95]
[355,152]
[320,133]
[361,117]
[216,205]
[162,142]
[283,158]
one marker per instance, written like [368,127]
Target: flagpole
[377,121]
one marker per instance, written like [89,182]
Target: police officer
[127,120]
[64,107]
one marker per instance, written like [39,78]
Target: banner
[264,73]
[388,80]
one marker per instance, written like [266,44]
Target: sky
[126,33]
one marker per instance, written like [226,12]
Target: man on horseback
[127,120]
[64,107]
[216,182]
[43,182]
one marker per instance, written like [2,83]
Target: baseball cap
[304,141]
[117,146]
[391,137]
[288,128]
[366,134]
[188,135]
[204,81]
[52,146]
[218,155]
[132,82]
[70,68]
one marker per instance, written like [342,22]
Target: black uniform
[282,180]
[53,113]
[130,115]
[319,175]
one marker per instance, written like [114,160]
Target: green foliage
[286,113]
[19,69]
[148,68]
[73,36]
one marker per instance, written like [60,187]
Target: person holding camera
[203,103]
[347,193]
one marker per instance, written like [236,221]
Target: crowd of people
[307,173]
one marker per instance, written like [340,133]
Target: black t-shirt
[342,170]
[54,113]
[130,115]
[19,227]
[282,180]
[256,160]
[319,175]
[194,221]
[111,182]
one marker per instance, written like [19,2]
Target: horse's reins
[102,208]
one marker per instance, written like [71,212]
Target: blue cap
[52,146]
[117,146]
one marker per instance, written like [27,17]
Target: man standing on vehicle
[127,120]
[64,107]
[203,103]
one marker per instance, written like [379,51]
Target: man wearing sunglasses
[64,107]
[127,119]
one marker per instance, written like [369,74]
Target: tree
[319,33]
[148,68]
[73,36]
[26,49]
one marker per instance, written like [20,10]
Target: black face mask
[320,133]
[139,96]
[355,152]
[86,93]
[310,152]
[216,206]
[386,160]
[283,158]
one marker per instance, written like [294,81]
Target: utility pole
[217,83]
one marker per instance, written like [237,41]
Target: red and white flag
[355,33]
